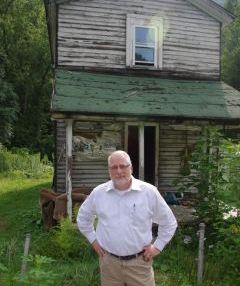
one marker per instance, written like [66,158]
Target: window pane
[144,54]
[145,36]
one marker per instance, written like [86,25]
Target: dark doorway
[149,153]
[133,148]
[149,156]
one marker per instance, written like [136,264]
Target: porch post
[69,167]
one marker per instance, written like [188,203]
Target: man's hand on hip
[149,252]
[96,246]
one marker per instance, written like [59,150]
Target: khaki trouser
[134,272]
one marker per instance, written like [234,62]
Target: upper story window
[144,41]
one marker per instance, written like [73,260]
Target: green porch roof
[103,94]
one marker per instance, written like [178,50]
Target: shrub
[215,164]
[19,162]
[226,249]
[69,240]
[38,273]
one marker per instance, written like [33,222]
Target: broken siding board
[92,22]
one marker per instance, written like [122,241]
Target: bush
[226,250]
[214,167]
[19,162]
[70,242]
[38,273]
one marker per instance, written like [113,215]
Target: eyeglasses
[121,167]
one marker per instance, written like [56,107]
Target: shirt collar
[134,187]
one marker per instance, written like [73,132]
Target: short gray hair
[122,154]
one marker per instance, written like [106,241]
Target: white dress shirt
[124,218]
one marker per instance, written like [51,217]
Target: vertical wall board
[172,145]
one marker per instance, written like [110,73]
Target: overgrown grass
[20,163]
[19,207]
[63,257]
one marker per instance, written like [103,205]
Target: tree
[8,108]
[24,42]
[231,47]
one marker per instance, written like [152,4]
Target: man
[125,208]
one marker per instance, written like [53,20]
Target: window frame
[134,21]
[135,45]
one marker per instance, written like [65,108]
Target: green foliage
[8,111]
[19,162]
[9,261]
[25,61]
[226,249]
[77,265]
[83,273]
[229,164]
[39,272]
[215,163]
[231,47]
[177,262]
[69,241]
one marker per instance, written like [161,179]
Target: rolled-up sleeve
[167,223]
[86,217]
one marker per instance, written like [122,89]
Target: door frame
[141,126]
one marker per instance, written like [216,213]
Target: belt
[127,257]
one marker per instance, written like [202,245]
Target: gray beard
[121,182]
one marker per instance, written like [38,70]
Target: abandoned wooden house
[140,75]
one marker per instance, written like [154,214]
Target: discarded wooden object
[54,205]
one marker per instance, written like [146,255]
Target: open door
[141,143]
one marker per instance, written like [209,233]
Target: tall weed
[20,163]
[69,241]
[214,165]
[39,272]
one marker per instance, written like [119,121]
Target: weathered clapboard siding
[84,173]
[172,144]
[60,160]
[90,172]
[91,141]
[93,34]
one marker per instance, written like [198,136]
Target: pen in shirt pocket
[134,207]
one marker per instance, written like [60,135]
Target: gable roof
[121,95]
[208,6]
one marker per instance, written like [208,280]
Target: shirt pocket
[140,215]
